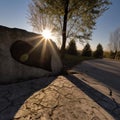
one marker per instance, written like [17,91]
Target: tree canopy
[114,44]
[114,41]
[71,19]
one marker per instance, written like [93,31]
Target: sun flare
[47,34]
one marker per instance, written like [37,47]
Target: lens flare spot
[24,57]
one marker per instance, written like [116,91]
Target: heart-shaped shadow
[36,56]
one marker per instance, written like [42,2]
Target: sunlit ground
[59,100]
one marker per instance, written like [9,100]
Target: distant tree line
[113,53]
[86,51]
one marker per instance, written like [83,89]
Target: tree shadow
[13,96]
[108,104]
[105,73]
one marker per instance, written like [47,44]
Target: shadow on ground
[104,71]
[105,102]
[13,96]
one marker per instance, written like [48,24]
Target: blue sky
[106,24]
[14,13]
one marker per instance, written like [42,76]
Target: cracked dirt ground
[49,99]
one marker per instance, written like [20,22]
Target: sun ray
[43,51]
[42,40]
[37,36]
[52,47]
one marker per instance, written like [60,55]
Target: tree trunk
[64,28]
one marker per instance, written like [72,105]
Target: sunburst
[47,34]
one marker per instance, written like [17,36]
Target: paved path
[56,98]
[105,72]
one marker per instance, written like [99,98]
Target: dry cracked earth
[57,98]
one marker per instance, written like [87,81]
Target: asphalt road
[104,71]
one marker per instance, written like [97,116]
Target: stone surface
[59,99]
[40,54]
